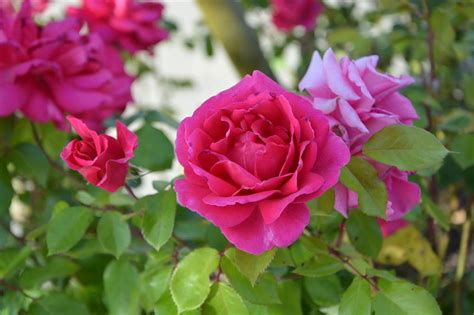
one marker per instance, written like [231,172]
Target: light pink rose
[359,101]
[287,14]
[390,227]
[130,24]
[252,156]
[101,159]
[47,72]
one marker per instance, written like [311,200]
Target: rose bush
[253,155]
[332,200]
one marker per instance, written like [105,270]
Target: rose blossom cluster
[359,101]
[288,14]
[128,24]
[47,72]
[254,154]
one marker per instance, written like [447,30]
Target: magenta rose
[101,159]
[252,156]
[130,24]
[359,101]
[51,71]
[39,5]
[287,14]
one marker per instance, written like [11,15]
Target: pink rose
[101,159]
[388,228]
[252,156]
[359,101]
[287,14]
[47,72]
[130,24]
[39,5]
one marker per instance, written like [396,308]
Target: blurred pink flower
[47,72]
[101,159]
[39,5]
[388,228]
[359,101]
[252,156]
[130,24]
[287,14]
[36,5]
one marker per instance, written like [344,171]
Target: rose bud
[101,159]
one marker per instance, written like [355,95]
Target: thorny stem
[347,261]
[12,287]
[53,163]
[130,191]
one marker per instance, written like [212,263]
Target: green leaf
[57,267]
[361,177]
[364,233]
[11,259]
[251,266]
[53,139]
[265,290]
[153,284]
[30,161]
[324,291]
[290,294]
[463,147]
[113,233]
[356,300]
[121,288]
[305,248]
[158,221]
[223,300]
[155,152]
[321,265]
[190,284]
[57,304]
[408,148]
[6,189]
[404,298]
[67,228]
[166,305]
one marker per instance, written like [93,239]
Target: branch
[51,162]
[130,191]
[225,19]
[347,261]
[12,287]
